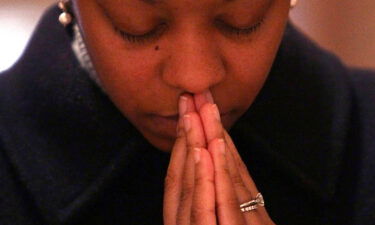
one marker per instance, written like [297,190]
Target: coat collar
[68,142]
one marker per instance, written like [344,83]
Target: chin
[164,144]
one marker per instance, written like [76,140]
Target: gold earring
[293,3]
[65,17]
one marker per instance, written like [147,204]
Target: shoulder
[16,206]
[363,83]
[340,102]
[17,93]
[363,150]
[359,168]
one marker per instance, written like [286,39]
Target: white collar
[82,55]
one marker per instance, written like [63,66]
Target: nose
[194,64]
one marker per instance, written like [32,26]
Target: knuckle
[186,193]
[198,212]
[180,129]
[203,181]
[180,133]
[180,217]
[222,170]
[228,203]
[192,144]
[170,181]
[237,181]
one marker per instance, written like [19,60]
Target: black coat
[68,156]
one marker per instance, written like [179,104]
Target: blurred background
[346,27]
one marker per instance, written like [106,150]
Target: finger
[227,203]
[186,104]
[195,136]
[203,207]
[248,181]
[173,179]
[214,130]
[187,189]
[260,215]
[172,184]
[211,121]
[203,98]
[194,139]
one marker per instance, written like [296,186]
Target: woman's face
[148,52]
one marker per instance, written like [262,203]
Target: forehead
[181,4]
[164,2]
[154,2]
[238,11]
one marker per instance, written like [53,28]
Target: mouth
[172,117]
[164,126]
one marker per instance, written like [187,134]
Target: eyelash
[238,32]
[143,37]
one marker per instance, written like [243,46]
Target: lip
[172,117]
[164,125]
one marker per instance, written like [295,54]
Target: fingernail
[182,105]
[221,146]
[215,112]
[187,123]
[208,96]
[197,155]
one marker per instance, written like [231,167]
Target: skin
[194,75]
[192,54]
[206,179]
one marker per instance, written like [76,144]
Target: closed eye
[159,30]
[139,38]
[232,30]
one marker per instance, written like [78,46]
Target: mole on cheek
[156,47]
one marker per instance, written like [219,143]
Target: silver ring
[249,208]
[252,204]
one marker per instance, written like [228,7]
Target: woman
[80,131]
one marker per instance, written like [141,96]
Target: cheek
[247,70]
[133,84]
[248,65]
[126,74]
[130,74]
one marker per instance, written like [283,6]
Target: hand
[206,179]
